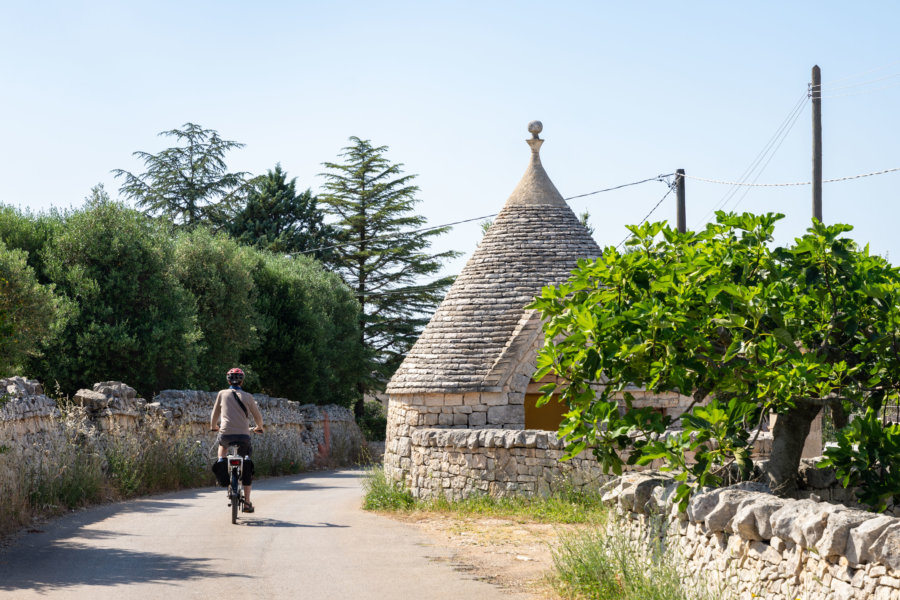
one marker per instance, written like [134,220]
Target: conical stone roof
[536,240]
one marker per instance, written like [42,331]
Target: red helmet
[235,376]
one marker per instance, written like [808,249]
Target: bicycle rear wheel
[235,497]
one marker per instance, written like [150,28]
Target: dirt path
[513,554]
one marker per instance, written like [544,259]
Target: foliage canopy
[721,314]
[28,310]
[187,184]
[131,320]
[276,218]
[383,254]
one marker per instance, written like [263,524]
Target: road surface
[307,539]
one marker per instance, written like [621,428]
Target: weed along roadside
[568,544]
[629,539]
[107,444]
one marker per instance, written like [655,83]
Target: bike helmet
[235,377]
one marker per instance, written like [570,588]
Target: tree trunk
[789,435]
[360,404]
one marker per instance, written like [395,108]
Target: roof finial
[535,127]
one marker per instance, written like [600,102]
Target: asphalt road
[307,539]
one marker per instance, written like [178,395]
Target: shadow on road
[107,567]
[276,523]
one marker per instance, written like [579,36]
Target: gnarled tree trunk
[788,437]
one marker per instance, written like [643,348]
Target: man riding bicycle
[235,406]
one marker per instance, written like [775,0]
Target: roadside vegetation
[593,559]
[195,269]
[80,466]
[747,329]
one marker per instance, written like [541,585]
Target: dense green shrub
[27,311]
[217,272]
[22,230]
[373,422]
[131,320]
[310,347]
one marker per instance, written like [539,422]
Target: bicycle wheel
[235,497]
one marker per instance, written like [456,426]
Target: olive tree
[743,328]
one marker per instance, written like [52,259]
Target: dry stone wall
[764,546]
[312,434]
[457,463]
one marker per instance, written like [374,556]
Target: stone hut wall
[759,544]
[500,407]
[458,463]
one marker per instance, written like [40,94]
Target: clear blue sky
[626,91]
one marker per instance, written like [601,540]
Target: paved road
[307,539]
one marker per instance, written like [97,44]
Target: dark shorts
[245,448]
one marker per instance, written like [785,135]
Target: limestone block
[862,537]
[730,500]
[815,478]
[752,519]
[642,493]
[90,399]
[472,399]
[786,521]
[886,549]
[833,542]
[494,399]
[434,400]
[500,415]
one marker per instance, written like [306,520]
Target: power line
[771,155]
[881,68]
[754,166]
[861,92]
[662,178]
[652,210]
[861,83]
[793,183]
[391,235]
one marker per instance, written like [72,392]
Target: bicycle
[235,464]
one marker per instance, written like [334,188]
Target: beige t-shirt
[234,421]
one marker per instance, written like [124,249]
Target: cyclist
[235,406]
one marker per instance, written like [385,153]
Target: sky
[626,91]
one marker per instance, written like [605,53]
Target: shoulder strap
[241,404]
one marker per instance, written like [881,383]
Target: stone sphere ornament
[535,127]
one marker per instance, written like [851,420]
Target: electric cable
[771,156]
[792,183]
[672,187]
[775,139]
[662,177]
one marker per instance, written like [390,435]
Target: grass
[565,505]
[75,465]
[599,564]
[382,494]
[595,560]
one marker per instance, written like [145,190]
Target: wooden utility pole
[679,182]
[816,94]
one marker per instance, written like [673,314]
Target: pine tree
[276,218]
[188,184]
[383,253]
